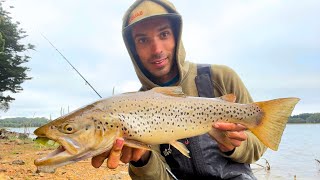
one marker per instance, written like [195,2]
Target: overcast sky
[273,45]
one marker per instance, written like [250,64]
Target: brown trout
[158,116]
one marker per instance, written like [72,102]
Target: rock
[18,141]
[23,136]
[4,134]
[35,174]
[2,131]
[114,177]
[18,162]
[124,173]
[3,170]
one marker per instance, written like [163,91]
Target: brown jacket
[224,79]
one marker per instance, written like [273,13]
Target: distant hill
[305,118]
[23,122]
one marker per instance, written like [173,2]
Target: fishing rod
[70,64]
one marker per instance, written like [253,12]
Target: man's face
[155,45]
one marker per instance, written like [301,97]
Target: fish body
[158,116]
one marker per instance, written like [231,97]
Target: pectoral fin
[229,98]
[180,147]
[170,91]
[136,144]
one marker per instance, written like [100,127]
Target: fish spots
[144,116]
[94,120]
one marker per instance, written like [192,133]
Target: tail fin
[275,116]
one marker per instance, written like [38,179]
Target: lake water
[28,130]
[300,146]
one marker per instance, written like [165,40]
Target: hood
[141,10]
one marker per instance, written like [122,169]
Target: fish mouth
[66,153]
[60,151]
[72,149]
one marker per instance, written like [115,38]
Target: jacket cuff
[152,166]
[249,151]
[238,152]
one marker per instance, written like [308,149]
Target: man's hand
[120,153]
[228,135]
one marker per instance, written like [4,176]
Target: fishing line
[70,64]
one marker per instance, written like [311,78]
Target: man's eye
[142,40]
[164,34]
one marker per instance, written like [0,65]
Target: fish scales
[145,119]
[158,116]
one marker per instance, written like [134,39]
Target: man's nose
[156,46]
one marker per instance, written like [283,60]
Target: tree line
[23,122]
[305,118]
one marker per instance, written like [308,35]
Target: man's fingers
[137,154]
[228,135]
[229,127]
[98,160]
[115,154]
[126,154]
[240,136]
[131,154]
[225,148]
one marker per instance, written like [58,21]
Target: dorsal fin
[229,97]
[170,91]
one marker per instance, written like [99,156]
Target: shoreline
[17,157]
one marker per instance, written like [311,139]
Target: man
[152,34]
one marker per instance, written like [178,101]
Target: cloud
[273,45]
[128,86]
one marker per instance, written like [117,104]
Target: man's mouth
[159,62]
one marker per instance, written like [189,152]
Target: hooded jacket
[224,80]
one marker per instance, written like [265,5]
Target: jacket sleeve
[249,151]
[154,169]
[227,81]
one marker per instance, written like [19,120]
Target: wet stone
[18,162]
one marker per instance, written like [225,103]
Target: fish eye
[68,129]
